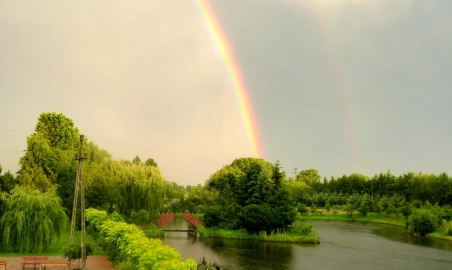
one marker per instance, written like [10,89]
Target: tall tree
[309,176]
[49,158]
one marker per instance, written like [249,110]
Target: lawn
[56,248]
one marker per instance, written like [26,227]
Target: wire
[11,130]
[155,150]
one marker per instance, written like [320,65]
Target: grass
[262,236]
[375,218]
[56,247]
[153,232]
[371,217]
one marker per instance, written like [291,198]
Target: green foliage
[309,176]
[124,187]
[302,228]
[7,181]
[302,208]
[447,227]
[151,162]
[50,151]
[142,217]
[327,207]
[153,231]
[134,247]
[422,221]
[256,218]
[250,186]
[261,236]
[74,252]
[31,219]
[125,266]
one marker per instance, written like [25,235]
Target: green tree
[422,221]
[7,181]
[49,157]
[151,162]
[32,219]
[136,160]
[309,176]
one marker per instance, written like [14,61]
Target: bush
[302,228]
[364,208]
[256,218]
[125,266]
[422,221]
[142,217]
[447,227]
[302,208]
[74,252]
[328,207]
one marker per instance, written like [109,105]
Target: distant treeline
[411,186]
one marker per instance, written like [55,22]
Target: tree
[31,220]
[422,221]
[136,160]
[252,181]
[49,157]
[309,176]
[150,162]
[7,181]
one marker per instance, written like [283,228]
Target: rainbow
[328,37]
[233,68]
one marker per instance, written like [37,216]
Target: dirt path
[99,263]
[92,263]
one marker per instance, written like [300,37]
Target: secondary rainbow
[241,92]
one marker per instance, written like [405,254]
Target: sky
[342,86]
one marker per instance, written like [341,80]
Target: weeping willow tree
[32,219]
[124,186]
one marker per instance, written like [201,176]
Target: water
[344,245]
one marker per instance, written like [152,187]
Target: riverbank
[311,238]
[374,218]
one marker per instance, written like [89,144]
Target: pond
[344,245]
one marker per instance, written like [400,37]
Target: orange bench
[53,263]
[32,262]
[3,264]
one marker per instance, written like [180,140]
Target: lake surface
[344,245]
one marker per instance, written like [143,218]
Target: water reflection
[399,234]
[344,245]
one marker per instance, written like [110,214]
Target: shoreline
[264,237]
[373,218]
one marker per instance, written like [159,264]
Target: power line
[11,130]
[155,150]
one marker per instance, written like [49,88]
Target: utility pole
[295,173]
[79,183]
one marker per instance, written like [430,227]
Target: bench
[3,264]
[53,263]
[32,262]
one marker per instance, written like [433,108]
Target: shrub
[447,227]
[422,221]
[302,228]
[302,208]
[256,218]
[125,266]
[364,208]
[327,207]
[142,217]
[127,243]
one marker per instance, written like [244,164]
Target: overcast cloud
[341,86]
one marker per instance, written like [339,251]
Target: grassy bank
[371,217]
[262,236]
[375,218]
[56,247]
